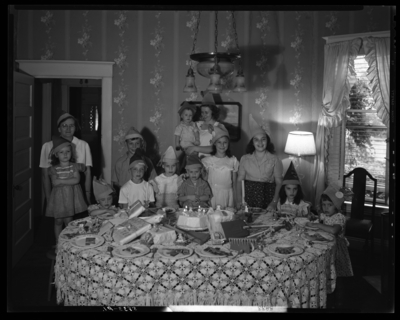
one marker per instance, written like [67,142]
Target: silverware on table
[110,250]
[153,251]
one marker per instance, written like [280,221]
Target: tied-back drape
[377,54]
[338,69]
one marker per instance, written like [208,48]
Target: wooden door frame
[82,70]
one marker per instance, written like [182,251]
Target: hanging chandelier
[215,65]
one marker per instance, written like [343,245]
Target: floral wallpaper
[120,98]
[332,23]
[230,46]
[262,64]
[48,21]
[194,17]
[296,81]
[157,80]
[84,40]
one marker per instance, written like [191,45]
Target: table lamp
[298,144]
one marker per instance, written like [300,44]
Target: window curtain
[377,54]
[338,70]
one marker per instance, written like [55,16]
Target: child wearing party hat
[221,167]
[167,183]
[334,222]
[260,169]
[104,194]
[136,188]
[194,191]
[291,202]
[66,197]
[186,132]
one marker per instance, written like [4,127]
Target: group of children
[208,182]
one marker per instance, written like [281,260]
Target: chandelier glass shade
[206,63]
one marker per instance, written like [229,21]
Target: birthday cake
[192,220]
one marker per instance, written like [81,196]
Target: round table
[91,277]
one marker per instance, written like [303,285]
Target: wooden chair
[356,225]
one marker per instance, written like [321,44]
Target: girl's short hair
[325,197]
[250,146]
[55,161]
[297,198]
[227,152]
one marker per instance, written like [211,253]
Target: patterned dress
[187,134]
[342,261]
[66,200]
[220,179]
[259,183]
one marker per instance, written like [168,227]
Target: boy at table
[104,194]
[136,188]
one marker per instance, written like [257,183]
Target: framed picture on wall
[230,116]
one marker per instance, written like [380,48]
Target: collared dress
[168,190]
[342,261]
[121,174]
[259,178]
[186,134]
[199,189]
[66,200]
[294,210]
[220,179]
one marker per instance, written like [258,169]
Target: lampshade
[300,143]
[190,85]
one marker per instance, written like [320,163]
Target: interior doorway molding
[82,70]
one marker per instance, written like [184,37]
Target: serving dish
[174,252]
[131,250]
[283,250]
[87,241]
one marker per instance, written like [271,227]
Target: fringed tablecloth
[93,278]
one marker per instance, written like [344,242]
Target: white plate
[271,249]
[169,210]
[75,223]
[308,235]
[301,221]
[80,241]
[106,216]
[200,251]
[124,251]
[64,235]
[164,252]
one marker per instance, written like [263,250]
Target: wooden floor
[28,287]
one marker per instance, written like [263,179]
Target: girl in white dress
[221,168]
[167,183]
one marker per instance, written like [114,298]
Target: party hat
[219,132]
[193,162]
[255,128]
[291,176]
[132,133]
[101,188]
[169,157]
[58,143]
[137,158]
[336,196]
[208,99]
[187,105]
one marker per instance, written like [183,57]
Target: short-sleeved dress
[66,200]
[260,178]
[342,261]
[168,190]
[220,179]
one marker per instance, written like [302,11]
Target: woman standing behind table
[261,171]
[209,116]
[67,125]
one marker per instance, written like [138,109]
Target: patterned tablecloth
[91,277]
